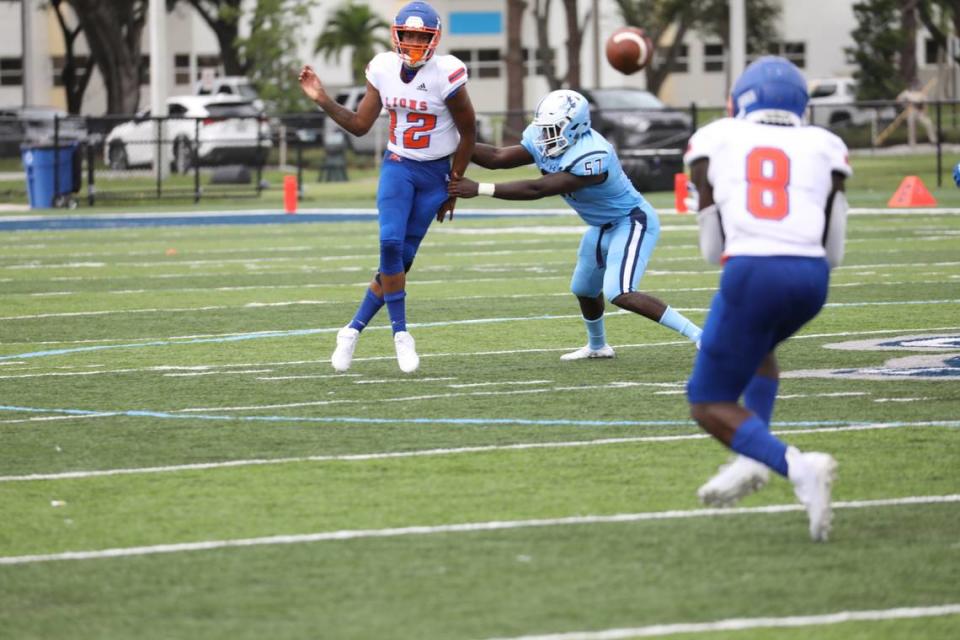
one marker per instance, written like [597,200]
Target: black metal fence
[236,154]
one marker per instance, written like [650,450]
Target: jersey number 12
[417,136]
[768,174]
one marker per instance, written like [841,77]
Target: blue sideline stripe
[97,221]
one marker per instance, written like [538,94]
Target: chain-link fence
[233,151]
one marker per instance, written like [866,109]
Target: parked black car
[649,136]
[35,125]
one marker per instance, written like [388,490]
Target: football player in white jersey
[431,120]
[580,165]
[773,212]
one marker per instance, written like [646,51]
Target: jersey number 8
[768,174]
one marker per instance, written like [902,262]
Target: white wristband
[486,189]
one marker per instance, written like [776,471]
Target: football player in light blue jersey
[581,166]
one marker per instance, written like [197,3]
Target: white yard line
[466,527]
[431,396]
[420,453]
[444,268]
[739,624]
[49,418]
[255,305]
[924,330]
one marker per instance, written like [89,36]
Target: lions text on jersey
[421,127]
[591,154]
[770,184]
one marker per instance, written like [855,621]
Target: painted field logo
[942,364]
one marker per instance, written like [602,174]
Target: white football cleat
[407,356]
[812,475]
[606,351]
[734,480]
[343,354]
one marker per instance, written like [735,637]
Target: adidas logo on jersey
[422,87]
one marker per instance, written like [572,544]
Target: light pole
[738,40]
[26,64]
[159,68]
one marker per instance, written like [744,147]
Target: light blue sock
[754,440]
[596,334]
[760,395]
[679,323]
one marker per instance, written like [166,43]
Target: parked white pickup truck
[833,103]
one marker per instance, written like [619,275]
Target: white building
[814,35]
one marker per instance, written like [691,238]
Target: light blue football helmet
[771,84]
[562,116]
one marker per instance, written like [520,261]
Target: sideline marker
[680,192]
[912,193]
[290,194]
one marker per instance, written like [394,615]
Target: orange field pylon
[680,192]
[290,194]
[912,193]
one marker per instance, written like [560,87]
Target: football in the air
[629,49]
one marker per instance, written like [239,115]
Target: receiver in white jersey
[770,183]
[421,127]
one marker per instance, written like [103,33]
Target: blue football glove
[956,174]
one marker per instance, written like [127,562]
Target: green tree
[708,17]
[355,27]
[223,18]
[940,17]
[76,73]
[879,43]
[515,122]
[271,52]
[114,31]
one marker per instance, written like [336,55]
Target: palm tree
[353,26]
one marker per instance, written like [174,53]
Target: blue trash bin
[39,163]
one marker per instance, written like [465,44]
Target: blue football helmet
[771,84]
[416,17]
[562,116]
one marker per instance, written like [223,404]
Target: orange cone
[912,193]
[680,192]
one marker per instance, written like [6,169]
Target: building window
[181,69]
[681,64]
[713,57]
[144,70]
[795,52]
[60,61]
[481,63]
[933,53]
[11,72]
[533,61]
[209,62]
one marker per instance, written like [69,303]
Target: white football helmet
[562,116]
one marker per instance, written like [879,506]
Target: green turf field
[170,415]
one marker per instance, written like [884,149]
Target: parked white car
[235,86]
[833,103]
[224,130]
